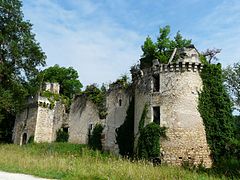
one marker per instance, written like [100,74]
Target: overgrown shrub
[229,167]
[125,133]
[149,141]
[62,136]
[148,146]
[94,141]
[31,139]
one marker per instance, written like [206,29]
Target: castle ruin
[169,91]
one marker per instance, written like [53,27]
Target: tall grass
[69,161]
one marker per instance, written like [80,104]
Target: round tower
[170,92]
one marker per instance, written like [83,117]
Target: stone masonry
[170,92]
[177,101]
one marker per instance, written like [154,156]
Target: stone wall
[117,104]
[52,87]
[178,100]
[39,120]
[60,118]
[25,123]
[82,119]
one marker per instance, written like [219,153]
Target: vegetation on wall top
[163,48]
[98,97]
[66,77]
[123,82]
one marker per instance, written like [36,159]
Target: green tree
[149,53]
[149,141]
[163,48]
[20,57]
[232,82]
[66,77]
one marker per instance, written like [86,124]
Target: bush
[62,136]
[149,141]
[95,142]
[31,139]
[229,167]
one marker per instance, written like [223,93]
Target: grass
[70,161]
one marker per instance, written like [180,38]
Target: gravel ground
[15,176]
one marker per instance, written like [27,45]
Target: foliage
[66,77]
[95,142]
[143,117]
[163,48]
[20,57]
[149,141]
[215,108]
[232,82]
[98,97]
[76,161]
[125,133]
[123,81]
[52,98]
[31,139]
[62,136]
[148,146]
[210,55]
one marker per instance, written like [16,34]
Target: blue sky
[101,39]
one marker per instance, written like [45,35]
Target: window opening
[156,115]
[156,83]
[24,138]
[65,129]
[120,102]
[51,87]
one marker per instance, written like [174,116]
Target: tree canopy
[163,48]
[232,83]
[66,77]
[20,59]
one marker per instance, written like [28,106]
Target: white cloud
[101,50]
[221,29]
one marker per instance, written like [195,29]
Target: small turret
[52,87]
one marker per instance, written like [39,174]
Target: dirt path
[15,176]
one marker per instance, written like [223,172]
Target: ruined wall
[178,101]
[49,120]
[60,118]
[82,118]
[118,100]
[25,123]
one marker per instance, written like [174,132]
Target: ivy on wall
[125,133]
[215,108]
[94,141]
[98,97]
[148,146]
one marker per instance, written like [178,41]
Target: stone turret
[41,119]
[52,87]
[171,93]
